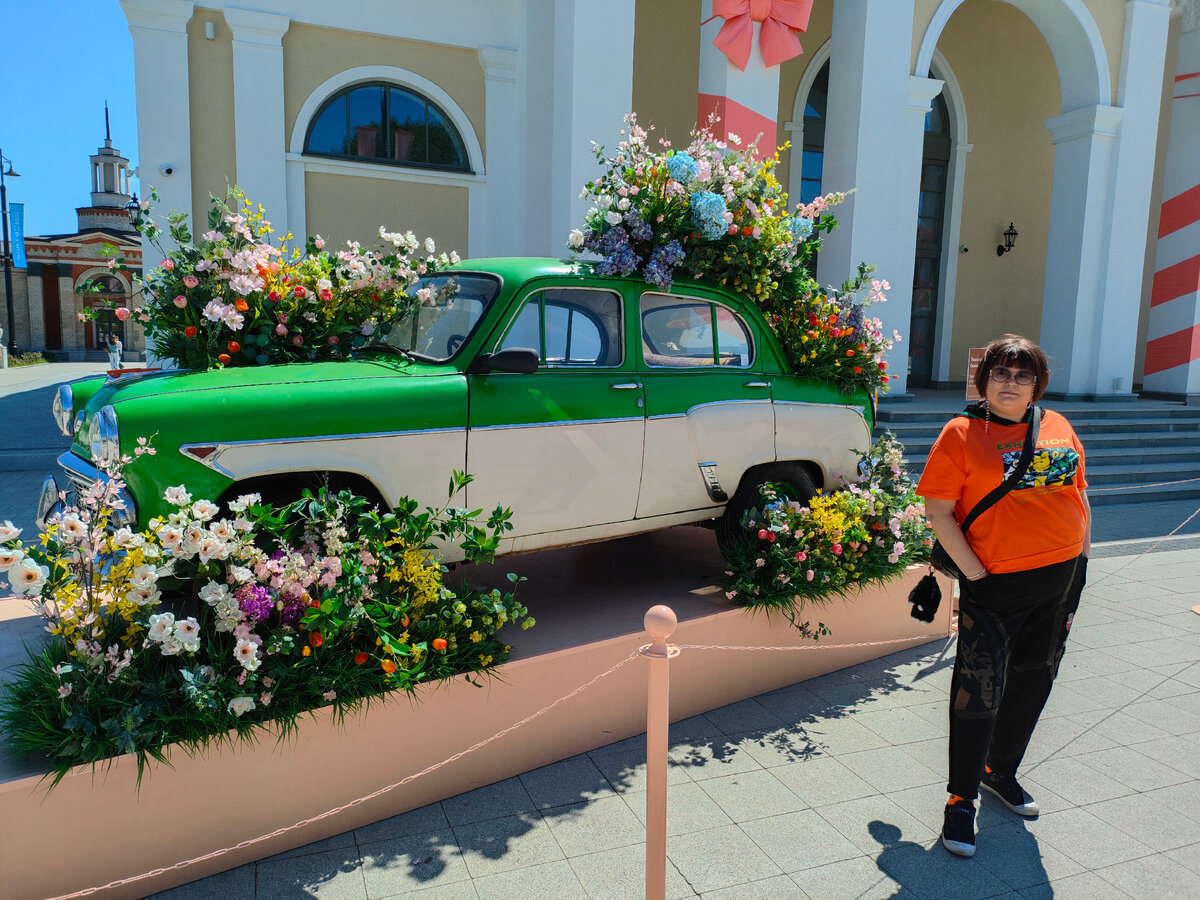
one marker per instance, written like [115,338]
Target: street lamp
[133,209]
[8,288]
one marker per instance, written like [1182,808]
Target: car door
[563,445]
[708,406]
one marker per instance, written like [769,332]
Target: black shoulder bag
[926,595]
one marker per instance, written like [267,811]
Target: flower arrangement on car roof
[231,297]
[241,618]
[715,211]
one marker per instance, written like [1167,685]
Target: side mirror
[521,360]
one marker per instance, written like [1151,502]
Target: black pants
[1012,632]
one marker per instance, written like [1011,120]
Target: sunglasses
[1001,374]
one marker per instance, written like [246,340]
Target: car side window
[569,327]
[678,332]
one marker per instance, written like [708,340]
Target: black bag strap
[1031,436]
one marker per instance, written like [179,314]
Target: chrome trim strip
[729,403]
[553,424]
[222,446]
[668,416]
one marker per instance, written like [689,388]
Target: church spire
[107,133]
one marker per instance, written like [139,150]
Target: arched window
[385,123]
[813,159]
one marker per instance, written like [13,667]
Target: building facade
[472,121]
[52,311]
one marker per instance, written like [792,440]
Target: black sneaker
[958,831]
[1011,793]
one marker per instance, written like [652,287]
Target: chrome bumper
[80,475]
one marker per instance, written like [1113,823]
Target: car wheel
[791,481]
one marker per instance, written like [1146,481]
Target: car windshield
[449,308]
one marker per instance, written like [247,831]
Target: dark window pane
[811,164]
[933,177]
[928,230]
[366,122]
[328,134]
[445,146]
[733,340]
[408,126]
[937,119]
[818,95]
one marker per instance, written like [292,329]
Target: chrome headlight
[102,437]
[63,409]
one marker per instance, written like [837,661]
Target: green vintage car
[595,407]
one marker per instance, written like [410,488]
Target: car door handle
[627,386]
[758,384]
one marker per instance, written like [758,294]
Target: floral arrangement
[276,611]
[716,211]
[231,297]
[794,553]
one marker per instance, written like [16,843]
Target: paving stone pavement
[833,788]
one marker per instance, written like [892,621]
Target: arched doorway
[927,269]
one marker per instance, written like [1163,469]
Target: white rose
[429,245]
[161,626]
[204,510]
[239,706]
[27,577]
[575,239]
[612,217]
[10,556]
[214,593]
[177,496]
[623,204]
[8,531]
[604,201]
[241,574]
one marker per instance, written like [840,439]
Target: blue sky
[62,59]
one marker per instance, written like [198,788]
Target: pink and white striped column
[1173,340]
[742,43]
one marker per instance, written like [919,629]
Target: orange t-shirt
[1039,522]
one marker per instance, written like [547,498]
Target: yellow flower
[476,637]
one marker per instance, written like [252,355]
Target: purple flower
[254,600]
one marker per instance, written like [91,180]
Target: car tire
[794,480]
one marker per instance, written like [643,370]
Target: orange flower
[223,359]
[388,666]
[849,352]
[360,658]
[241,304]
[307,651]
[439,643]
[404,622]
[234,346]
[190,331]
[315,639]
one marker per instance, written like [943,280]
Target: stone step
[1109,494]
[1081,426]
[1141,473]
[898,414]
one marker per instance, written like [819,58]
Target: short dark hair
[1015,351]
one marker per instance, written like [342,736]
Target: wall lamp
[1010,238]
[133,209]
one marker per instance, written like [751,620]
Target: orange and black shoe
[958,830]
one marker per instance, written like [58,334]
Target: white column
[874,136]
[593,89]
[497,210]
[1080,229]
[258,109]
[747,102]
[160,64]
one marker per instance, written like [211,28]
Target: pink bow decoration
[777,40]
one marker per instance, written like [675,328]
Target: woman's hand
[941,517]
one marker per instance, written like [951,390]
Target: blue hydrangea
[801,227]
[660,270]
[638,229]
[682,167]
[708,215]
[613,245]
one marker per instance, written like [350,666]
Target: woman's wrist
[982,573]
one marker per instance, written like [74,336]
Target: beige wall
[210,80]
[1109,16]
[311,55]
[666,67]
[352,207]
[1008,173]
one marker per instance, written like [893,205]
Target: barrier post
[660,622]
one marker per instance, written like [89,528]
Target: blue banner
[17,234]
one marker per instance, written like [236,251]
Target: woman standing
[115,349]
[1024,562]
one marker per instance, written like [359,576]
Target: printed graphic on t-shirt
[1050,467]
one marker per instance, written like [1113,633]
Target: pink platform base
[589,601]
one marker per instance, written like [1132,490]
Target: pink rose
[281,329]
[297,340]
[122,313]
[810,575]
[837,549]
[180,301]
[762,534]
[191,280]
[168,265]
[733,229]
[801,556]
